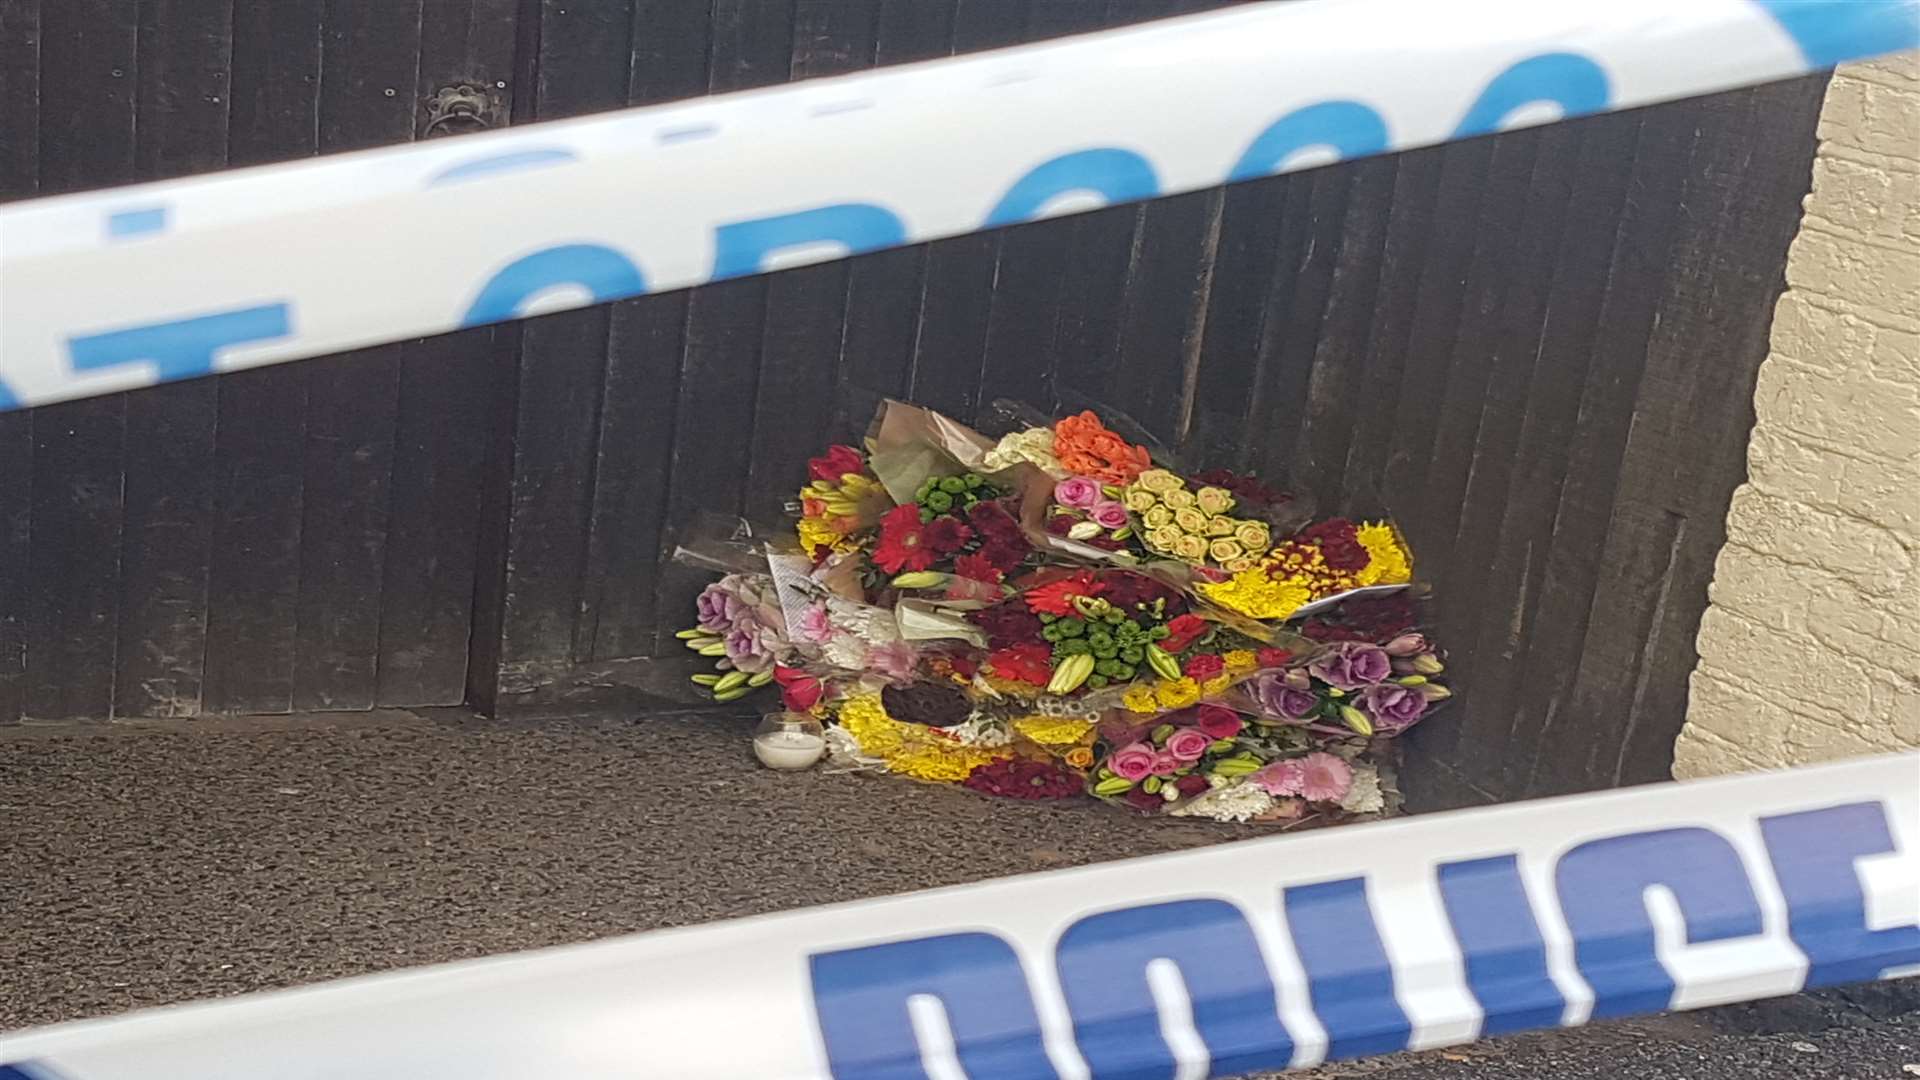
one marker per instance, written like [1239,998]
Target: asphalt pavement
[151,864]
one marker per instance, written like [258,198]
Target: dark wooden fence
[1538,348]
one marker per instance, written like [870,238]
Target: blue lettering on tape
[1574,83]
[1602,886]
[1500,938]
[1103,958]
[1348,128]
[742,247]
[1830,31]
[1349,976]
[183,348]
[128,223]
[501,163]
[602,271]
[1813,855]
[8,399]
[1115,175]
[860,997]
[27,1070]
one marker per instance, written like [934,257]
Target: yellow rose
[1158,518]
[1167,538]
[1158,481]
[1190,520]
[1179,498]
[1220,526]
[1224,551]
[1240,566]
[1214,500]
[1191,548]
[1253,536]
[1139,499]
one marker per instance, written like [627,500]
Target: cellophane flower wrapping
[1061,613]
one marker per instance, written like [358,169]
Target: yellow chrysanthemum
[1217,685]
[1239,660]
[1139,698]
[1389,563]
[1258,596]
[1177,693]
[907,748]
[1052,730]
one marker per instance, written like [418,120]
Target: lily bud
[1356,720]
[1411,680]
[1433,691]
[1406,645]
[1084,530]
[1428,664]
[1298,679]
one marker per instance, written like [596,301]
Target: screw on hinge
[460,110]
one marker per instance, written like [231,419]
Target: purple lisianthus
[1079,492]
[719,609]
[749,649]
[1350,665]
[1279,700]
[1393,708]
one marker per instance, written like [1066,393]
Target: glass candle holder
[789,741]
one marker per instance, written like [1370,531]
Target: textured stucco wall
[1810,648]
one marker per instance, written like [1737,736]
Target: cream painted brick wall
[1810,645]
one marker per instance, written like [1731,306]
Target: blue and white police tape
[119,289]
[1265,954]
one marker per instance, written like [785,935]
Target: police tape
[124,288]
[1257,955]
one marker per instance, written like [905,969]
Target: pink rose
[1110,515]
[1218,723]
[1078,492]
[1132,762]
[1165,764]
[1188,744]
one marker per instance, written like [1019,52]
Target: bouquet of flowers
[1055,614]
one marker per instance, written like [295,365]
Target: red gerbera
[947,534]
[903,541]
[1182,632]
[1029,663]
[1205,666]
[1053,598]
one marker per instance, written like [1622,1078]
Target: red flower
[1182,632]
[978,567]
[1246,487]
[1339,544]
[1004,556]
[1191,784]
[1007,624]
[835,463]
[947,534]
[1205,666]
[799,691]
[994,523]
[1027,663]
[1268,658]
[1052,598]
[1015,779]
[903,541]
[1142,799]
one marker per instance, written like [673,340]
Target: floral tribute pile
[1055,614]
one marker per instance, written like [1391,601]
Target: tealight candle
[789,741]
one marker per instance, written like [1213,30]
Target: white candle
[788,749]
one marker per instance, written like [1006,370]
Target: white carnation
[1234,802]
[1364,796]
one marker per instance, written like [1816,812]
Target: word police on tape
[1254,955]
[124,288]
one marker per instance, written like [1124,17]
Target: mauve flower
[1110,515]
[1218,723]
[815,625]
[1325,778]
[1394,708]
[1406,645]
[747,647]
[1351,665]
[1280,778]
[1279,700]
[896,659]
[1078,492]
[1188,744]
[1132,762]
[1164,763]
[718,608]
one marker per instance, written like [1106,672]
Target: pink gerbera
[1280,778]
[1325,778]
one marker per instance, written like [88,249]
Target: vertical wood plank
[88,83]
[585,51]
[444,417]
[259,449]
[725,327]
[19,177]
[625,546]
[1165,298]
[185,52]
[20,34]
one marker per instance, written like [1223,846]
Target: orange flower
[1085,447]
[1080,757]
